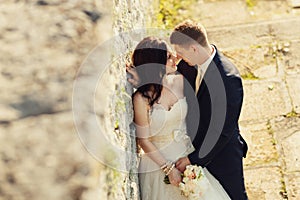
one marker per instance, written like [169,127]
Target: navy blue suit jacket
[212,121]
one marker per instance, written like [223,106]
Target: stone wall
[49,51]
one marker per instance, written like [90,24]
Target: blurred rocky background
[43,43]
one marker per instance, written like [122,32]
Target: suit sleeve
[234,97]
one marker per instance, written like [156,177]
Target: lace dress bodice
[168,133]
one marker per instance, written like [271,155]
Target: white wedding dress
[168,134]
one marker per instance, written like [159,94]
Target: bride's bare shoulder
[139,100]
[137,96]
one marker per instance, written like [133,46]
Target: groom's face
[187,53]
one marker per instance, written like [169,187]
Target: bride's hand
[175,177]
[133,76]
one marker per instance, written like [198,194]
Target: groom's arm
[234,97]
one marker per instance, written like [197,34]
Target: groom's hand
[175,177]
[182,163]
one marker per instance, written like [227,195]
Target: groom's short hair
[188,32]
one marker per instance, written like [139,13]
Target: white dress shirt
[203,68]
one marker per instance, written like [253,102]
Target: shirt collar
[205,65]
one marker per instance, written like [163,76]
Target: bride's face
[171,63]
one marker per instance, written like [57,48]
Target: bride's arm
[141,120]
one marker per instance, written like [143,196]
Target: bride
[160,109]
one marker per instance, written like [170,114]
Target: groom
[219,93]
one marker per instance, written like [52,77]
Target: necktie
[198,79]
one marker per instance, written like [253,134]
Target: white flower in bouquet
[194,183]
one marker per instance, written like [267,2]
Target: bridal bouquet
[194,183]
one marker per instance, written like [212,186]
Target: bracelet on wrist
[165,170]
[170,169]
[165,165]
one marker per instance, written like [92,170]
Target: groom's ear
[194,48]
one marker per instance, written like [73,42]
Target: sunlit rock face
[46,47]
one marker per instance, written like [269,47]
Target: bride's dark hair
[150,59]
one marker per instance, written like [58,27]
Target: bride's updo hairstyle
[150,59]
